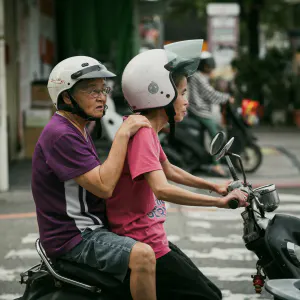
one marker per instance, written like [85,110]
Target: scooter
[61,280]
[188,149]
[275,240]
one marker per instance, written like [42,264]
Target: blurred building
[38,34]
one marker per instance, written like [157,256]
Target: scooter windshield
[184,55]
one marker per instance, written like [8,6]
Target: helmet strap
[170,111]
[77,110]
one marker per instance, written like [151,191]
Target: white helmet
[146,80]
[69,71]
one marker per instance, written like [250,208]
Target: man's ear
[66,98]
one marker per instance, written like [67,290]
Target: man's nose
[101,97]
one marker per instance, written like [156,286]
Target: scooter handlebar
[233,203]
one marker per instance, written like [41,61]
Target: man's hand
[222,189]
[133,123]
[231,100]
[235,194]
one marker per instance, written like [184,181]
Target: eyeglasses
[97,92]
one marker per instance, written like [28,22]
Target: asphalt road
[211,237]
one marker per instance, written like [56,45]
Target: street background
[256,44]
[211,237]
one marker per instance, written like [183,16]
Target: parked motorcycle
[275,241]
[188,149]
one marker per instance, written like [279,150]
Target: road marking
[173,238]
[227,295]
[288,207]
[224,215]
[238,254]
[9,296]
[228,274]
[30,238]
[10,274]
[23,253]
[202,224]
[289,198]
[208,238]
[18,216]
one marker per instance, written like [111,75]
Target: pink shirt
[133,209]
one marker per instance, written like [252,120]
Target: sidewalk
[281,165]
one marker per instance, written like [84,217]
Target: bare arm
[180,176]
[101,181]
[170,193]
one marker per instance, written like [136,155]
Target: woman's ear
[66,98]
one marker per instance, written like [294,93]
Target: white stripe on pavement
[289,198]
[173,238]
[202,224]
[30,238]
[288,207]
[227,295]
[9,296]
[238,254]
[11,274]
[208,238]
[23,253]
[223,215]
[228,274]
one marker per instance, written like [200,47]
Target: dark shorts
[103,250]
[177,278]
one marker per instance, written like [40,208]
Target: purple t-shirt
[64,209]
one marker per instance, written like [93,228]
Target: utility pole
[4,185]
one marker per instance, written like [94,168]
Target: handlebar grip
[233,203]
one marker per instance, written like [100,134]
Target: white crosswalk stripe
[221,256]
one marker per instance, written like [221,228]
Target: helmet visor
[96,71]
[184,56]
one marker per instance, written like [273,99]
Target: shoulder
[144,134]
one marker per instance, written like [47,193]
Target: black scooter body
[271,247]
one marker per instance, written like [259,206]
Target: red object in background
[251,111]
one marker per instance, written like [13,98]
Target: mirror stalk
[231,168]
[241,165]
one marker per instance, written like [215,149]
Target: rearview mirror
[217,143]
[225,149]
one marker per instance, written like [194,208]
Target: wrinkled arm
[102,180]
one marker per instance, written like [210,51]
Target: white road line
[288,208]
[238,254]
[227,295]
[208,238]
[30,238]
[225,215]
[289,198]
[9,296]
[11,274]
[228,274]
[202,224]
[23,253]
[173,238]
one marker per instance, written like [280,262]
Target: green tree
[273,13]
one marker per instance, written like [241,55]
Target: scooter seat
[85,274]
